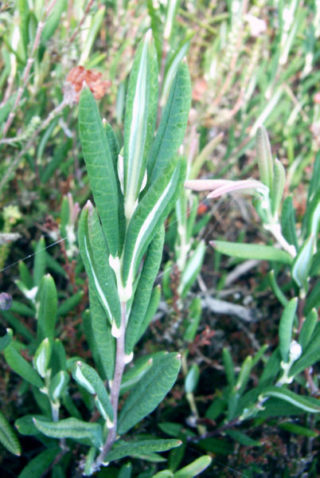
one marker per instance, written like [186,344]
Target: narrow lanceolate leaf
[21,366]
[135,374]
[139,447]
[195,468]
[48,303]
[172,126]
[192,268]
[8,437]
[39,262]
[279,178]
[150,213]
[308,404]
[285,328]
[94,254]
[100,167]
[150,391]
[71,428]
[311,354]
[302,264]
[252,251]
[144,289]
[288,222]
[264,157]
[308,327]
[151,310]
[37,467]
[88,378]
[141,110]
[101,332]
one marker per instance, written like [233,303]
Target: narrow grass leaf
[279,178]
[288,222]
[39,267]
[150,391]
[308,328]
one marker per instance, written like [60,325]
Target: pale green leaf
[308,404]
[21,366]
[71,428]
[134,448]
[252,251]
[285,328]
[141,111]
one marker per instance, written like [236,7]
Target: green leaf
[8,437]
[298,430]
[144,289]
[125,471]
[264,157]
[173,67]
[313,299]
[151,310]
[101,332]
[39,267]
[228,366]
[192,379]
[308,328]
[310,355]
[172,126]
[48,303]
[5,339]
[252,251]
[242,438]
[150,390]
[94,254]
[53,21]
[88,378]
[134,374]
[25,425]
[279,177]
[101,172]
[58,385]
[285,328]
[71,428]
[137,447]
[21,366]
[193,319]
[303,262]
[288,222]
[308,404]
[70,303]
[150,213]
[42,357]
[192,269]
[37,467]
[141,111]
[195,468]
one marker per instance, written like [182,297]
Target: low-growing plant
[121,242]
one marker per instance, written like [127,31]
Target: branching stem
[115,388]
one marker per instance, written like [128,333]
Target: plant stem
[115,388]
